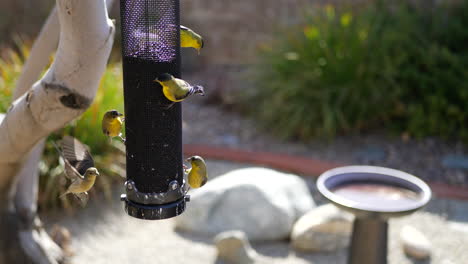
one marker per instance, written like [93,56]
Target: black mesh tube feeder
[155,187]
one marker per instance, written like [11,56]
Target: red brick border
[295,164]
[300,165]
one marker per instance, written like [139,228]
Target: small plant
[351,69]
[10,69]
[319,79]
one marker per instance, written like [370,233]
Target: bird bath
[373,195]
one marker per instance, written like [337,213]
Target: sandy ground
[103,233]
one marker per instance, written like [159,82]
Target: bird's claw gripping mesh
[151,46]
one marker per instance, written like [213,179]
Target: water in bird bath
[377,195]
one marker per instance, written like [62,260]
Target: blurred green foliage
[351,69]
[87,129]
[10,70]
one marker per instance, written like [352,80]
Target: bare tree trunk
[26,184]
[64,93]
[45,44]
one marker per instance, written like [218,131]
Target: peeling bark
[70,98]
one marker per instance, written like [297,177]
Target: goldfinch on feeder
[112,124]
[197,174]
[177,90]
[79,167]
[190,39]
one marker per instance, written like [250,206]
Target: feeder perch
[155,187]
[373,195]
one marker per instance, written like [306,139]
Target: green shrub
[353,69]
[434,79]
[87,129]
[10,70]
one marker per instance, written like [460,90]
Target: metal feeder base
[154,212]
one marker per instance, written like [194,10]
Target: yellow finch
[190,39]
[197,174]
[112,124]
[177,90]
[79,167]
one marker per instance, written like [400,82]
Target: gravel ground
[103,233]
[210,124]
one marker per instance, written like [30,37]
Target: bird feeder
[155,187]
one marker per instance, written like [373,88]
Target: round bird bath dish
[372,194]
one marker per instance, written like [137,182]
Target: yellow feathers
[190,39]
[112,124]
[197,174]
[177,90]
[83,185]
[79,167]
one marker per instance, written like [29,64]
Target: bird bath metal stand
[373,195]
[155,187]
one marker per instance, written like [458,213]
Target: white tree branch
[44,45]
[26,180]
[66,90]
[33,239]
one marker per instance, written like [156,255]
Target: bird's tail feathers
[204,181]
[198,89]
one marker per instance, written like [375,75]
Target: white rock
[414,243]
[458,227]
[325,228]
[446,261]
[234,247]
[261,202]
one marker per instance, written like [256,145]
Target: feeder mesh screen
[151,46]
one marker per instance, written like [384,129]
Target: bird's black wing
[70,171]
[77,154]
[186,87]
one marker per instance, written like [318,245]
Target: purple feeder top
[150,32]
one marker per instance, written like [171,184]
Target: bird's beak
[156,80]
[120,114]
